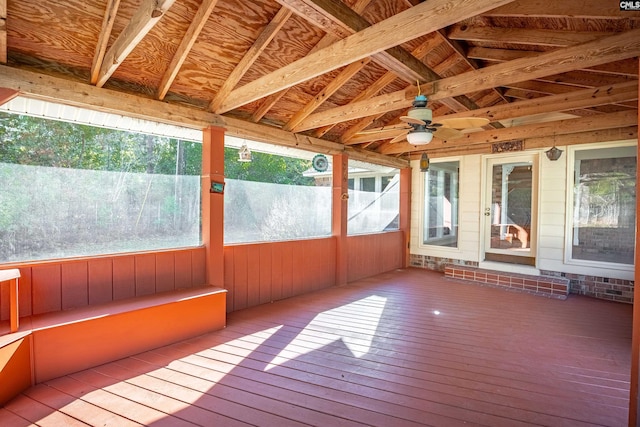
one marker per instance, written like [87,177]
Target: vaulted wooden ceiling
[322,74]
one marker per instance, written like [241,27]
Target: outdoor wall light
[553,153]
[424,163]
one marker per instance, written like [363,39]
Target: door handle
[487,212]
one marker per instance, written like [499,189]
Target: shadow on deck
[403,348]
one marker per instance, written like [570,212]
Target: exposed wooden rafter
[3,31]
[561,9]
[147,15]
[578,99]
[38,86]
[523,36]
[626,67]
[327,40]
[560,127]
[110,13]
[341,21]
[197,23]
[415,22]
[249,58]
[608,49]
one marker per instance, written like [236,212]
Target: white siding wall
[552,198]
[552,216]
[469,213]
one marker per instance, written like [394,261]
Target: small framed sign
[217,187]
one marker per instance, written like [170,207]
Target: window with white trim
[604,206]
[440,215]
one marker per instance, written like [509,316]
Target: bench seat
[70,341]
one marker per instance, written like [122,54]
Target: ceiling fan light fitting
[419,138]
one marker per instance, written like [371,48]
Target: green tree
[267,168]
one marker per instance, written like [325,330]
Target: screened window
[374,201]
[274,197]
[604,206]
[75,190]
[440,219]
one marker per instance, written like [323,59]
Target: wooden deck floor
[400,349]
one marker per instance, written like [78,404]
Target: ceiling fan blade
[463,122]
[401,127]
[399,138]
[413,120]
[447,133]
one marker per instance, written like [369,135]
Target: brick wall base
[619,290]
[554,287]
[597,287]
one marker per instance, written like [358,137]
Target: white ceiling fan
[419,128]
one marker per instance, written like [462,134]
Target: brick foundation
[555,287]
[618,290]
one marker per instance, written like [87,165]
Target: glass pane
[604,205]
[69,190]
[368,184]
[275,197]
[262,212]
[371,211]
[441,205]
[511,207]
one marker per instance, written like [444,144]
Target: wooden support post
[213,203]
[339,216]
[405,213]
[12,277]
[635,337]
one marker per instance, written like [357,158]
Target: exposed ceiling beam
[337,18]
[563,9]
[3,31]
[523,36]
[419,52]
[577,99]
[582,98]
[55,89]
[261,43]
[613,48]
[327,40]
[109,18]
[461,52]
[410,24]
[189,38]
[333,86]
[559,127]
[627,67]
[599,136]
[143,20]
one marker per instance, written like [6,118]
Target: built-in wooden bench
[59,343]
[12,276]
[556,287]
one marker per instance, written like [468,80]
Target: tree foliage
[37,141]
[267,168]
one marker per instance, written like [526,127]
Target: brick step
[555,287]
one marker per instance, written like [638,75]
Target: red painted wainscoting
[51,286]
[371,254]
[259,273]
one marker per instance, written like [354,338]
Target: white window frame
[446,250]
[571,158]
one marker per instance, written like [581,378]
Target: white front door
[510,209]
